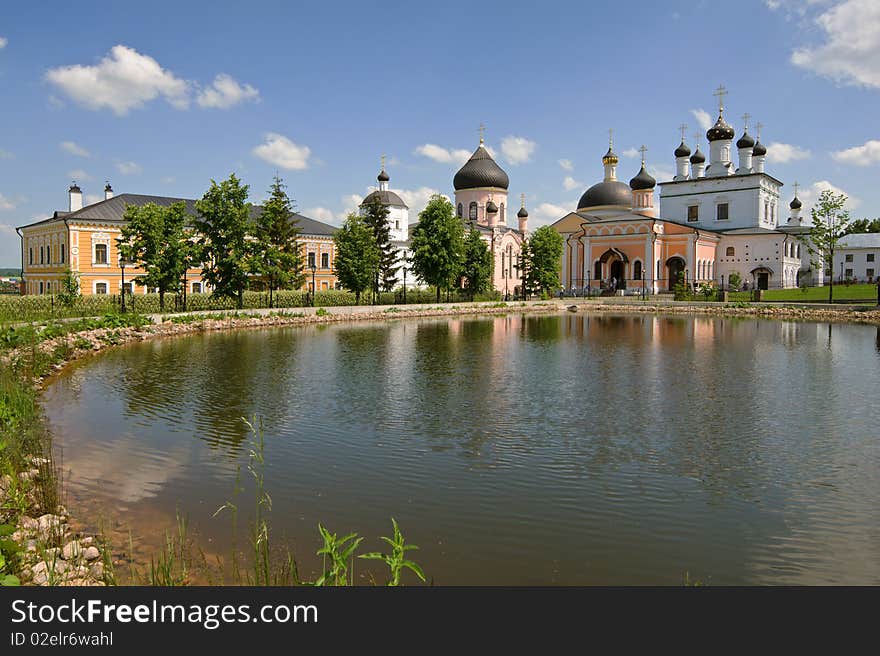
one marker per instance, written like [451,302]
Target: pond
[558,449]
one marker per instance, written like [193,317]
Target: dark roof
[721,130]
[606,193]
[610,156]
[742,175]
[759,149]
[796,203]
[682,150]
[480,171]
[643,180]
[113,209]
[387,198]
[107,187]
[745,141]
[523,213]
[491,207]
[698,157]
[75,188]
[383,176]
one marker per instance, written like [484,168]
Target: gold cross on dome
[482,132]
[683,127]
[383,162]
[522,198]
[745,118]
[697,136]
[758,127]
[720,92]
[643,149]
[610,138]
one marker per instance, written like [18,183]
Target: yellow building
[83,239]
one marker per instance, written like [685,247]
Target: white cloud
[281,151]
[320,214]
[809,195]
[6,229]
[226,92]
[416,199]
[122,81]
[3,42]
[548,213]
[351,203]
[78,174]
[517,150]
[703,118]
[128,168]
[867,153]
[91,199]
[782,152]
[661,173]
[6,204]
[74,149]
[566,164]
[443,155]
[570,183]
[851,51]
[630,152]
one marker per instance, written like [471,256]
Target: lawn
[862,292]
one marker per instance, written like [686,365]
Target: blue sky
[159,98]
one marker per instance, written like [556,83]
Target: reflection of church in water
[712,221]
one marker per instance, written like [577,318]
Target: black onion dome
[698,157]
[107,187]
[643,180]
[745,141]
[383,176]
[480,171]
[523,213]
[491,207]
[75,188]
[606,193]
[386,198]
[795,204]
[610,157]
[759,150]
[682,150]
[721,130]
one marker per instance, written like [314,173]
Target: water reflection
[633,448]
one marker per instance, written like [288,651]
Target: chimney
[75,197]
[108,191]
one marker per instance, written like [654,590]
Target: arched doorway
[615,260]
[674,269]
[762,277]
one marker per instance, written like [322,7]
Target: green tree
[275,253]
[70,289]
[357,258]
[830,225]
[437,245]
[223,225]
[155,239]
[544,260]
[375,215]
[477,264]
[863,226]
[734,281]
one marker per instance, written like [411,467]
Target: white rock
[71,550]
[91,553]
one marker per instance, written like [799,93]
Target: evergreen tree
[224,225]
[863,226]
[544,257]
[477,264]
[357,258]
[375,214]
[437,245]
[830,225]
[155,239]
[276,254]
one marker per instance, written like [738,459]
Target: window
[325,260]
[472,211]
[101,287]
[127,288]
[397,225]
[848,273]
[870,257]
[693,212]
[460,211]
[766,211]
[101,256]
[42,259]
[501,213]
[798,251]
[325,286]
[197,288]
[30,256]
[311,260]
[730,252]
[41,286]
[62,253]
[637,270]
[597,270]
[849,258]
[503,270]
[869,273]
[721,212]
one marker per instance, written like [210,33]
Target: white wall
[744,194]
[859,265]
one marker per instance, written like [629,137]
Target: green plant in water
[321,312]
[337,553]
[396,560]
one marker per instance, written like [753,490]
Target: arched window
[472,211]
[460,211]
[730,252]
[501,213]
[798,251]
[637,270]
[597,270]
